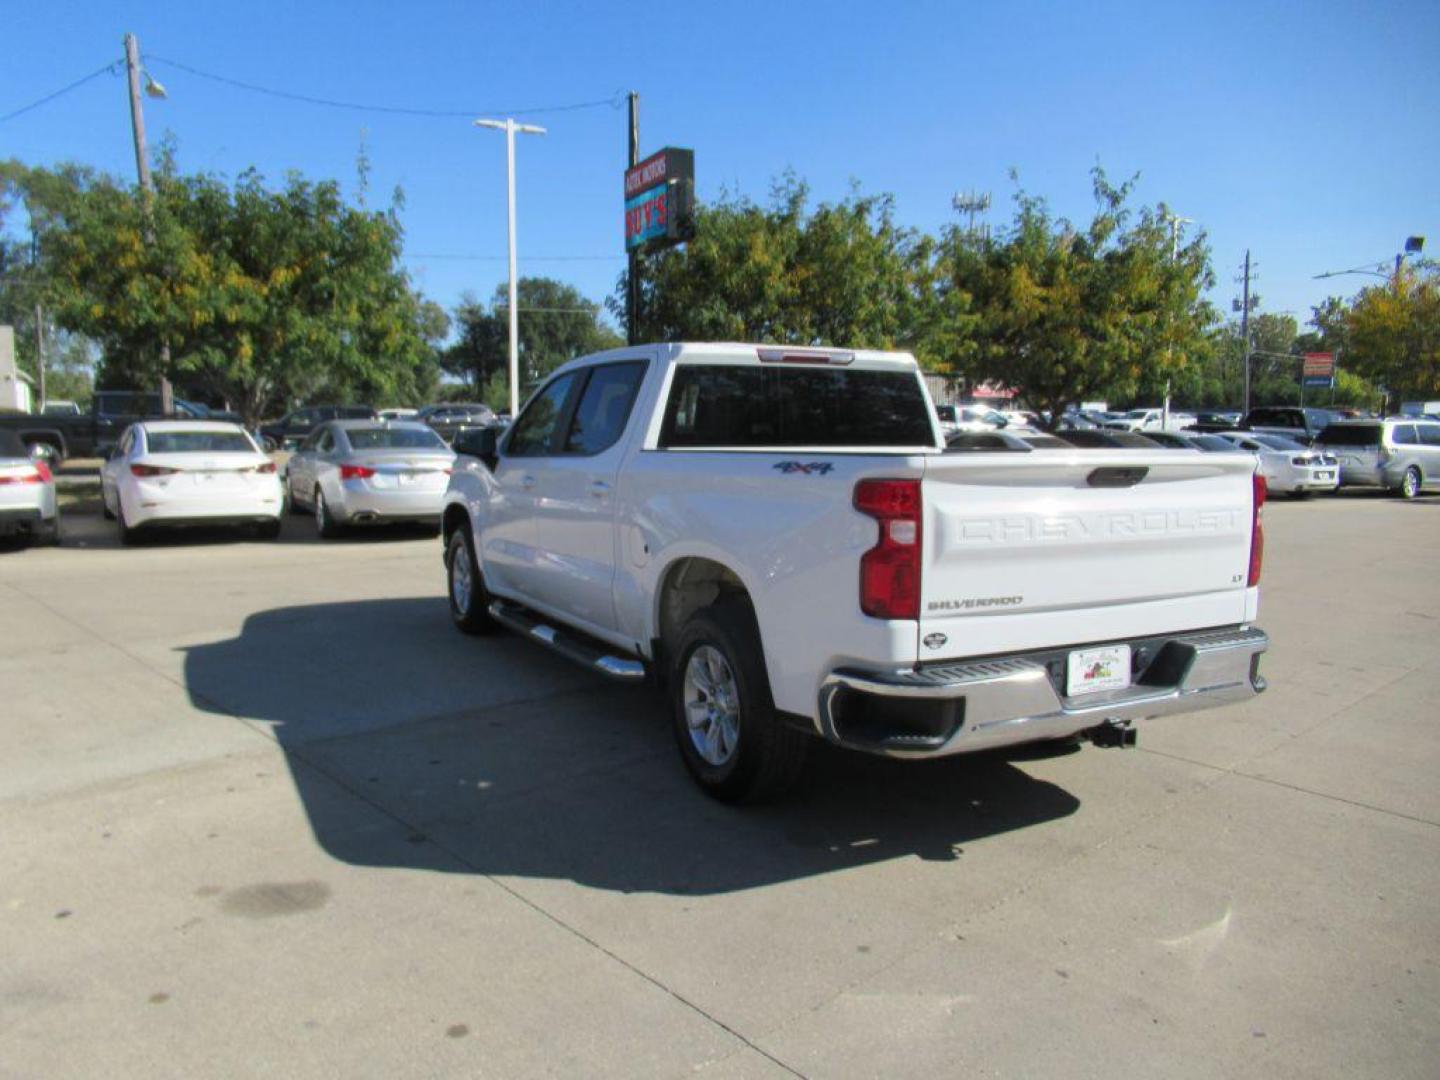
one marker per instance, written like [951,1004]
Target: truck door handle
[599,488]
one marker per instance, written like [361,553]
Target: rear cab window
[752,406]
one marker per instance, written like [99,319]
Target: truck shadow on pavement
[413,746]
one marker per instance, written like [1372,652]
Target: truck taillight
[890,571]
[1257,531]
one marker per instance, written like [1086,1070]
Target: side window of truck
[534,431]
[604,407]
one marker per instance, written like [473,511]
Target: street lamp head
[498,124]
[530,129]
[153,88]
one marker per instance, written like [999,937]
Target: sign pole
[632,275]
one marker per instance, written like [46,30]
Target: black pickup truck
[1302,425]
[90,434]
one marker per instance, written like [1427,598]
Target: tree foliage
[262,295]
[1393,334]
[1062,314]
[556,324]
[842,273]
[1057,313]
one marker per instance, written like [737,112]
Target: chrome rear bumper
[981,704]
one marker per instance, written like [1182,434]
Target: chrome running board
[569,644]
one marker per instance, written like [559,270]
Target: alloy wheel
[712,705]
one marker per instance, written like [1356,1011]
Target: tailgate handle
[1116,476]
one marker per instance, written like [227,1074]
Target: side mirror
[43,452]
[482,443]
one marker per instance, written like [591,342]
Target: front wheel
[730,738]
[1410,486]
[469,599]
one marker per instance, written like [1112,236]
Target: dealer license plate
[1092,670]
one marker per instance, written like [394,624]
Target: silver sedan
[367,472]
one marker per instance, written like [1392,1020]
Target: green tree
[556,324]
[1063,314]
[1393,332]
[841,274]
[263,296]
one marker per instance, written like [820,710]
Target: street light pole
[510,127]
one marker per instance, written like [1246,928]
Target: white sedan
[27,492]
[182,472]
[1287,465]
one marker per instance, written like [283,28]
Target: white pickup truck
[781,539]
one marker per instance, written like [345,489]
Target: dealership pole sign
[660,200]
[1318,370]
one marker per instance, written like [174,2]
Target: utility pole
[1245,330]
[142,169]
[39,318]
[137,116]
[632,274]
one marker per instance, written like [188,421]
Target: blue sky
[1305,132]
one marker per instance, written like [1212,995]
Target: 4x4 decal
[805,468]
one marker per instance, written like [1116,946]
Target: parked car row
[1398,454]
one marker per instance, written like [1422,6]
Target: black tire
[325,525]
[268,530]
[128,537]
[767,756]
[465,586]
[292,504]
[1410,485]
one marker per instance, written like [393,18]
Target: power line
[523,258]
[112,67]
[613,100]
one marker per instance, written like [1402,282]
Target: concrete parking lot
[266,813]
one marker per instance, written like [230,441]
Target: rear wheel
[1410,485]
[129,537]
[469,599]
[325,525]
[730,738]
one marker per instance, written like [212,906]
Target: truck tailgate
[1055,547]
